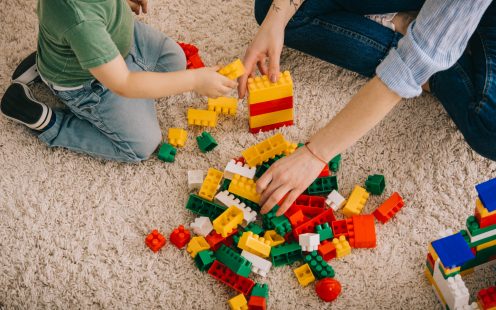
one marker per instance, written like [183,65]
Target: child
[107,69]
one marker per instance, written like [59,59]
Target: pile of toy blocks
[458,254]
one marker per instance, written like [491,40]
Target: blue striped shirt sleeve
[433,43]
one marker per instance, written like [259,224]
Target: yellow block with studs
[244,187]
[291,147]
[177,137]
[196,245]
[223,105]
[238,302]
[342,246]
[482,210]
[356,201]
[210,184]
[485,245]
[274,238]
[254,244]
[304,275]
[265,150]
[233,70]
[202,117]
[228,220]
[271,118]
[261,89]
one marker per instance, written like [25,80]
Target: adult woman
[432,53]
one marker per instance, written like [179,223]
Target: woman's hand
[138,5]
[208,82]
[286,179]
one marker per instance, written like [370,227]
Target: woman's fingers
[290,198]
[274,198]
[274,60]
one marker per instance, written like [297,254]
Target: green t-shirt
[76,35]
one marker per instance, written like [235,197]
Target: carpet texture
[72,228]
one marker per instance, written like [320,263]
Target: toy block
[290,149]
[304,275]
[311,201]
[226,199]
[311,212]
[197,244]
[474,228]
[389,208]
[266,165]
[254,244]
[328,289]
[233,260]
[233,70]
[487,194]
[342,246]
[309,242]
[202,226]
[204,207]
[297,218]
[210,184]
[484,218]
[223,105]
[215,240]
[257,303]
[261,290]
[482,238]
[254,228]
[225,185]
[487,297]
[238,302]
[180,237]
[195,179]
[193,60]
[435,288]
[453,289]
[274,238]
[375,184]
[327,250]
[485,245]
[177,137]
[324,231]
[285,254]
[363,232]
[323,186]
[325,172]
[155,241]
[479,208]
[342,228]
[271,127]
[222,273]
[202,117]
[259,265]
[281,223]
[228,221]
[335,163]
[204,259]
[265,150]
[167,153]
[252,205]
[356,201]
[319,266]
[453,251]
[244,187]
[206,142]
[261,89]
[308,227]
[271,118]
[270,106]
[243,170]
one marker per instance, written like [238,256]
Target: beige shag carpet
[72,228]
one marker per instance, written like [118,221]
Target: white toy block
[234,167]
[202,226]
[472,306]
[227,199]
[479,237]
[445,233]
[453,289]
[195,179]
[259,265]
[309,242]
[335,200]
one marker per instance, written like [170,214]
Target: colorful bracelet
[315,155]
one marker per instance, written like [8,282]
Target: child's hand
[208,82]
[137,5]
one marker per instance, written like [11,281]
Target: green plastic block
[324,231]
[285,254]
[233,260]
[167,153]
[474,228]
[429,267]
[335,163]
[206,142]
[266,165]
[261,290]
[375,184]
[320,268]
[281,225]
[253,205]
[257,230]
[323,186]
[204,259]
[482,241]
[481,257]
[300,144]
[225,185]
[267,218]
[237,236]
[204,207]
[446,276]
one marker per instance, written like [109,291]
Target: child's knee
[146,145]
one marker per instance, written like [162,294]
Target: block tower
[270,104]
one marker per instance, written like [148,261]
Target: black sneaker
[26,72]
[18,104]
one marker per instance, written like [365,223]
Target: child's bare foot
[426,87]
[402,20]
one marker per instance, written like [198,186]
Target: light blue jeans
[100,123]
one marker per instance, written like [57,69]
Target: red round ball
[328,289]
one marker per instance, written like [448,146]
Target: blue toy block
[453,251]
[487,194]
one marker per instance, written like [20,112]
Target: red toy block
[240,160]
[389,208]
[271,106]
[311,201]
[487,297]
[327,250]
[215,240]
[257,303]
[342,228]
[297,218]
[222,273]
[309,227]
[311,212]
[155,241]
[324,173]
[485,221]
[180,237]
[328,289]
[430,261]
[271,127]
[193,60]
[363,232]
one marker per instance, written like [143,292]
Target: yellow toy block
[244,187]
[448,271]
[433,253]
[291,147]
[238,303]
[223,105]
[233,70]
[265,150]
[342,246]
[356,201]
[261,89]
[254,244]
[196,245]
[210,184]
[304,275]
[485,245]
[202,117]
[177,137]
[271,118]
[274,238]
[228,220]
[482,210]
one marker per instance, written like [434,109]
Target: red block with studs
[389,208]
[342,228]
[311,201]
[363,232]
[222,273]
[487,297]
[215,240]
[297,218]
[328,289]
[180,237]
[155,241]
[193,60]
[257,303]
[324,173]
[309,227]
[327,250]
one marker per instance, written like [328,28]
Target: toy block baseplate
[228,221]
[177,137]
[233,70]
[155,240]
[261,89]
[265,150]
[222,273]
[389,208]
[223,105]
[356,201]
[487,194]
[232,259]
[271,118]
[233,167]
[202,117]
[304,275]
[210,184]
[259,265]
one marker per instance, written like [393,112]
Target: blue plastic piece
[453,251]
[487,194]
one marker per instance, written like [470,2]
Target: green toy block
[206,142]
[225,185]
[285,254]
[324,231]
[323,186]
[281,225]
[204,259]
[375,184]
[335,163]
[320,268]
[482,241]
[252,205]
[481,257]
[261,290]
[266,165]
[233,260]
[300,144]
[237,236]
[204,207]
[167,153]
[429,267]
[446,276]
[474,228]
[267,223]
[257,230]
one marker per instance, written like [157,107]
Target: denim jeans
[336,31]
[98,122]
